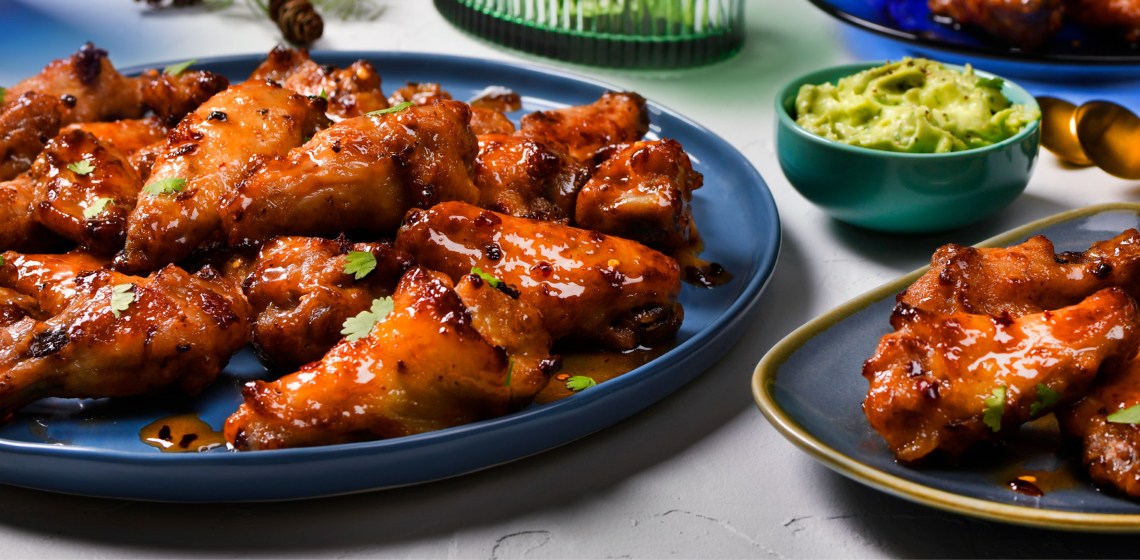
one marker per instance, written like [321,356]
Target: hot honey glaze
[183,433]
[600,366]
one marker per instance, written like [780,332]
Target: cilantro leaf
[580,382]
[393,109]
[3,93]
[323,94]
[122,295]
[176,69]
[81,167]
[510,370]
[995,83]
[358,327]
[169,185]
[96,208]
[1130,415]
[995,408]
[359,263]
[1046,398]
[486,276]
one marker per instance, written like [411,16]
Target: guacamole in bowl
[913,105]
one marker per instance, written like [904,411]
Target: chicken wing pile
[989,339]
[1027,24]
[399,263]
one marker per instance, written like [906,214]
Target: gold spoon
[1058,130]
[1109,134]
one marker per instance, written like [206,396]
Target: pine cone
[298,20]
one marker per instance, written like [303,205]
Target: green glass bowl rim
[616,37]
[845,70]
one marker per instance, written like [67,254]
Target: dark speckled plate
[809,386]
[94,448]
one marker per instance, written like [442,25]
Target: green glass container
[644,34]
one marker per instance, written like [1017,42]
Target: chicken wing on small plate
[947,381]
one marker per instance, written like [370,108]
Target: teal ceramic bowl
[901,192]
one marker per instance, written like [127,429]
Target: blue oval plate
[810,388]
[1075,51]
[93,447]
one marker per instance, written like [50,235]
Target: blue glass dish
[93,447]
[1076,52]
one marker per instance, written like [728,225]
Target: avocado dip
[913,105]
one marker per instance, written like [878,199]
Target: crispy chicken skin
[178,332]
[441,358]
[211,150]
[351,91]
[85,87]
[127,135]
[1111,450]
[930,379]
[26,124]
[527,177]
[615,118]
[62,195]
[643,192]
[1025,278]
[301,295]
[588,286]
[18,226]
[50,279]
[359,175]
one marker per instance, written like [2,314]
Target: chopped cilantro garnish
[393,109]
[486,276]
[81,167]
[358,327]
[1130,415]
[579,382]
[3,92]
[96,208]
[122,295]
[323,94]
[995,83]
[995,408]
[169,185]
[1046,399]
[176,69]
[510,370]
[359,263]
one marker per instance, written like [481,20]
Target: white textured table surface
[700,474]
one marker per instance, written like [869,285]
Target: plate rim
[767,371]
[1026,57]
[765,257]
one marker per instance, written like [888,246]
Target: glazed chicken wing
[1121,14]
[439,358]
[127,336]
[527,177]
[205,157]
[588,286]
[643,192]
[302,289]
[351,91]
[1023,23]
[26,124]
[947,381]
[18,226]
[1111,448]
[1025,278]
[615,118]
[52,280]
[84,190]
[359,175]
